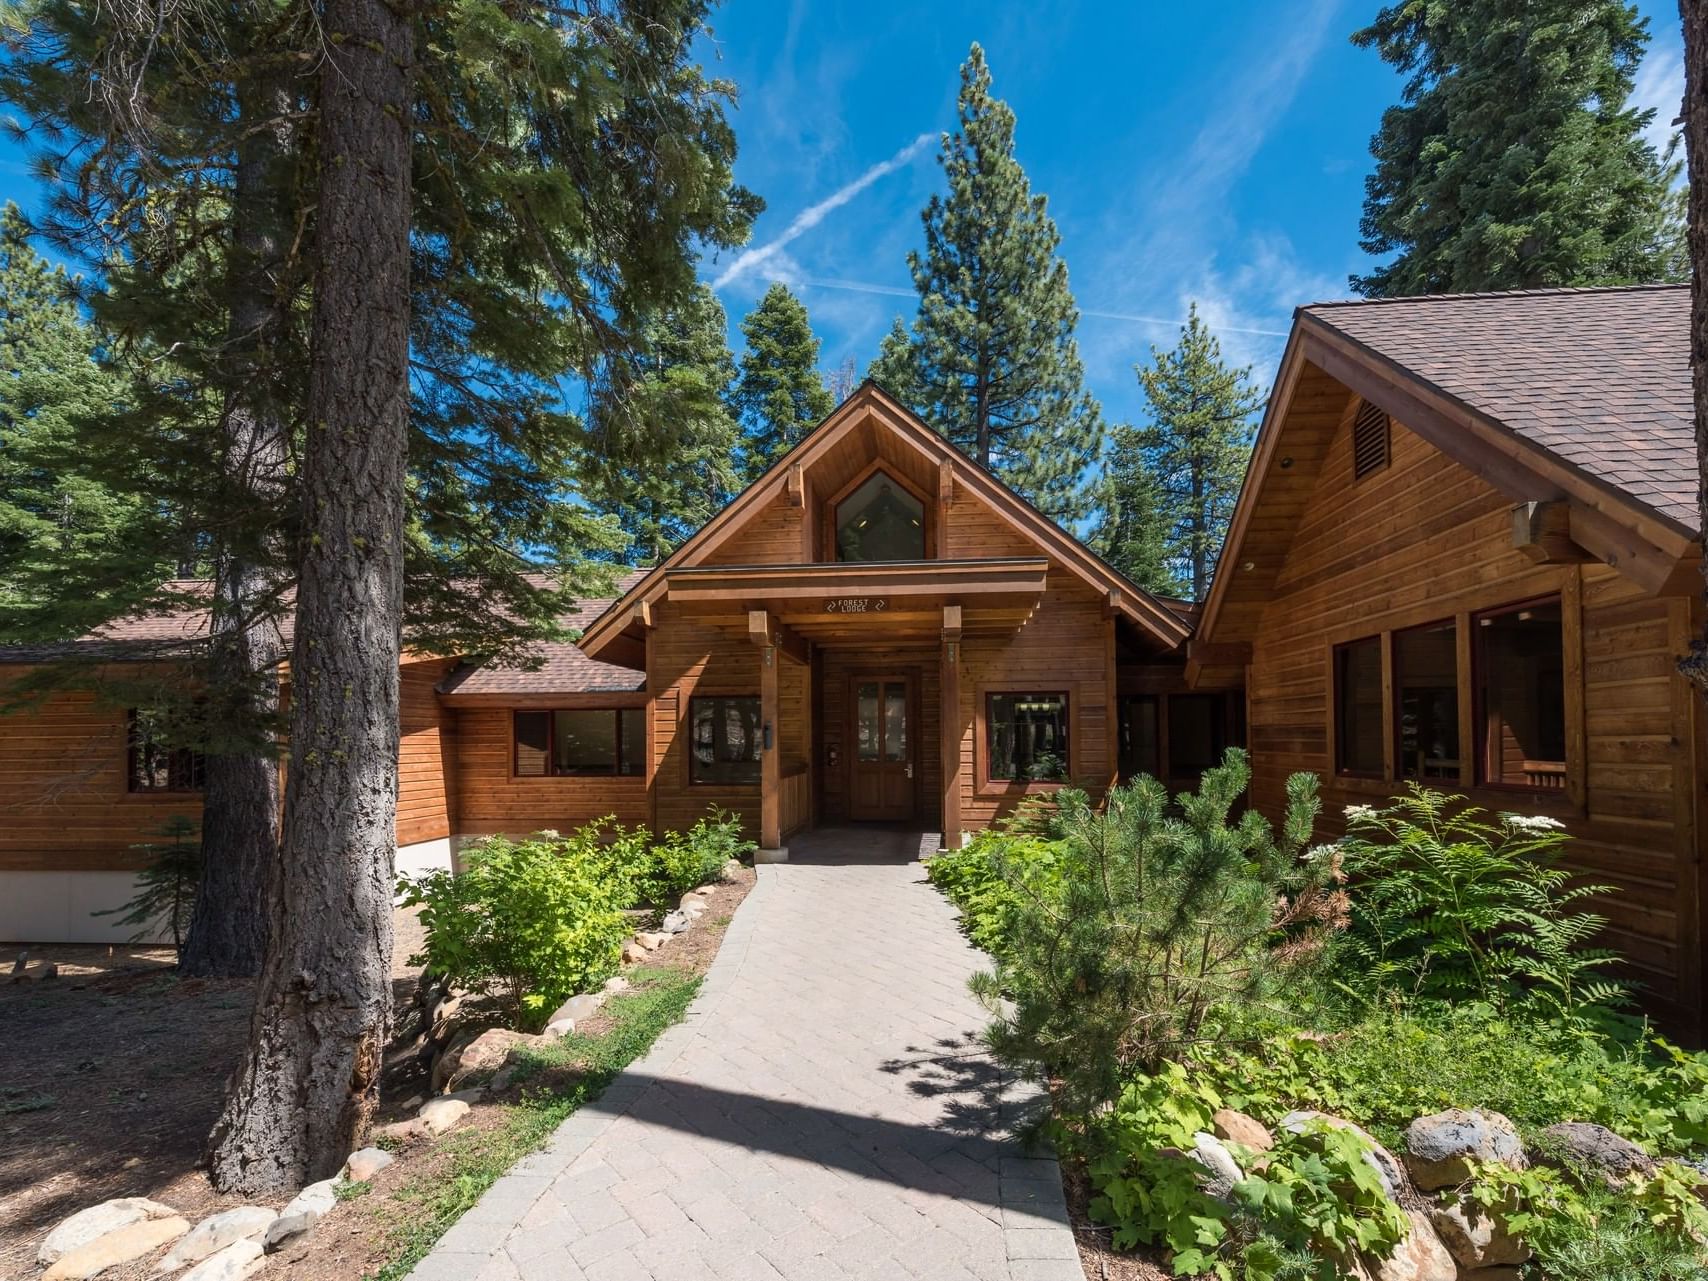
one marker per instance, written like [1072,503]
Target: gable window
[880,521]
[1370,440]
[1521,696]
[1358,707]
[151,765]
[580,741]
[724,740]
[1026,737]
[1426,701]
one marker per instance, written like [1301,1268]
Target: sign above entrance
[856,605]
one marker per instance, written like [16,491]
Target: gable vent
[1369,440]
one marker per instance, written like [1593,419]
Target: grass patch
[15,1099]
[574,1072]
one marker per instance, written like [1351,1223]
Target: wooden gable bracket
[641,614]
[945,495]
[1112,603]
[951,623]
[794,486]
[763,631]
[1543,532]
[1614,543]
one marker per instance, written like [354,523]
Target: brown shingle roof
[1599,377]
[563,668]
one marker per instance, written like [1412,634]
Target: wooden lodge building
[1466,554]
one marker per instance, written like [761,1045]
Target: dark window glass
[1521,692]
[1426,701]
[598,740]
[880,521]
[724,734]
[631,741]
[533,744]
[152,766]
[1139,736]
[584,742]
[1197,736]
[1358,707]
[1027,736]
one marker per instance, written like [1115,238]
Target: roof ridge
[1655,287]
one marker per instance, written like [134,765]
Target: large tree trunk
[1695,15]
[240,801]
[309,1085]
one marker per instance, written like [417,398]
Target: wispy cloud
[1660,87]
[812,215]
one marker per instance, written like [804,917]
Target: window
[1026,737]
[1426,701]
[1370,433]
[1358,707]
[1521,696]
[880,521]
[1139,737]
[151,766]
[724,735]
[1197,734]
[601,740]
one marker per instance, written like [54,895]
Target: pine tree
[1196,446]
[995,366]
[779,395]
[1515,160]
[1132,534]
[894,368]
[681,378]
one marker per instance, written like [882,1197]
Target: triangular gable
[871,407]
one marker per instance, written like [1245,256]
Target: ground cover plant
[1158,961]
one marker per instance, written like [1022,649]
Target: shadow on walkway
[864,843]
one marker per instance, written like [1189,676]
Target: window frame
[1385,731]
[1479,704]
[195,764]
[552,771]
[688,742]
[1068,691]
[829,552]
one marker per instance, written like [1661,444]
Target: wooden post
[770,759]
[949,719]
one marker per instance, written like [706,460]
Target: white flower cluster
[1320,851]
[1533,823]
[1359,811]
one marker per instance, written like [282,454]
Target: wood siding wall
[425,756]
[1425,540]
[687,656]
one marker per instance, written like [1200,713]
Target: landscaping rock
[1393,1175]
[238,1260]
[287,1228]
[403,1131]
[616,983]
[652,940]
[113,1248]
[557,1027]
[1474,1238]
[1439,1148]
[732,869]
[481,1055]
[675,922]
[1420,1257]
[98,1220]
[578,1008]
[215,1233]
[1209,1152]
[1581,1143]
[317,1199]
[1237,1127]
[693,901]
[365,1163]
[633,952]
[439,1115]
[502,1078]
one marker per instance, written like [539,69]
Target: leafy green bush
[166,884]
[1456,904]
[992,875]
[679,861]
[1165,926]
[532,921]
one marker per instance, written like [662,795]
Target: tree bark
[310,1082]
[240,799]
[1695,15]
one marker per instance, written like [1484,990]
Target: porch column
[771,848]
[949,721]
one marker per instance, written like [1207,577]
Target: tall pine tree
[995,366]
[1195,447]
[1132,532]
[1515,159]
[779,395]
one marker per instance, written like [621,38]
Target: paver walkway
[822,1112]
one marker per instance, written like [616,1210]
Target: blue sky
[1214,153]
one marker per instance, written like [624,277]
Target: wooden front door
[882,764]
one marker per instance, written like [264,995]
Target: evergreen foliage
[993,362]
[778,395]
[1515,159]
[1132,533]
[894,370]
[166,884]
[1195,450]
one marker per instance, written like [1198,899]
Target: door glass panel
[866,722]
[895,723]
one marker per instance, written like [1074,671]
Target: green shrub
[166,886]
[1454,903]
[679,861]
[532,922]
[992,875]
[1165,925]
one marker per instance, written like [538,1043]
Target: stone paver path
[822,1112]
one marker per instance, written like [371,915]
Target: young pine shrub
[1166,929]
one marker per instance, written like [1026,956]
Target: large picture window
[1358,707]
[153,766]
[578,741]
[1026,737]
[1521,696]
[880,521]
[724,740]
[1426,701]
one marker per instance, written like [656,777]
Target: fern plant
[1457,903]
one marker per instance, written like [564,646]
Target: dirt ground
[1100,1261]
[112,1074]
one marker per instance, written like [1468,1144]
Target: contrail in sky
[810,217]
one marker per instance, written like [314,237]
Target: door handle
[910,769]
